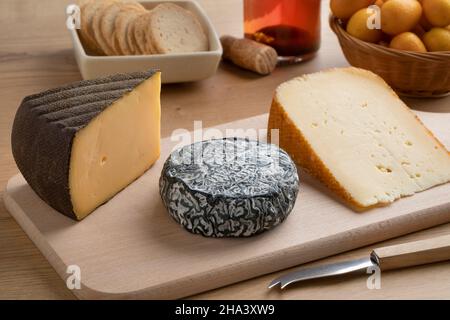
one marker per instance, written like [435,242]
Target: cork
[249,54]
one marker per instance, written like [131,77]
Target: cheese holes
[103,160]
[384,169]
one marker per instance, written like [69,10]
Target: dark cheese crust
[229,187]
[46,123]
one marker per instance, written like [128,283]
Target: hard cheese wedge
[351,131]
[79,145]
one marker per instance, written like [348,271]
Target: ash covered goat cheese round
[229,187]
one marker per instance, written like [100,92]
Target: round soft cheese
[229,187]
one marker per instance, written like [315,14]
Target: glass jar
[291,27]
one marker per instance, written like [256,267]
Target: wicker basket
[409,73]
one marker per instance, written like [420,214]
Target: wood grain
[413,253]
[36,54]
[424,282]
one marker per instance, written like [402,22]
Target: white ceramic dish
[177,67]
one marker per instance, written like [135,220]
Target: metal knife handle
[413,253]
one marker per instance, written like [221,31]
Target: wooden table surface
[36,54]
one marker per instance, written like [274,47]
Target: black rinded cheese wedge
[80,144]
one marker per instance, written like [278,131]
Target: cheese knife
[386,258]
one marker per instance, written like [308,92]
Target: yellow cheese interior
[368,139]
[115,148]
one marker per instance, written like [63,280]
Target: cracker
[123,33]
[174,29]
[108,19]
[141,26]
[149,40]
[96,22]
[106,26]
[131,39]
[87,10]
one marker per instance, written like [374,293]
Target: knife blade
[386,258]
[324,271]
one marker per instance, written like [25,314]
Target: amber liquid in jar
[291,27]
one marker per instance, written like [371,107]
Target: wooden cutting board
[131,248]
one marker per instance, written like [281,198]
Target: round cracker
[149,43]
[174,29]
[141,26]
[94,11]
[87,10]
[131,40]
[107,24]
[96,22]
[124,33]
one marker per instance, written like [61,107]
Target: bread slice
[350,130]
[173,29]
